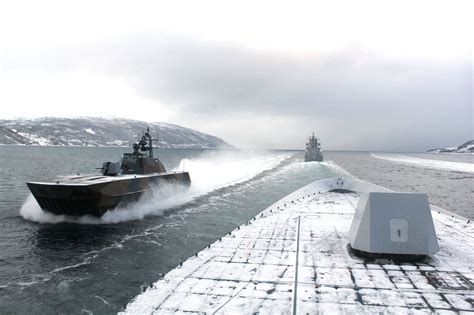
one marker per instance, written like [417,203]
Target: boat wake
[444,165]
[209,172]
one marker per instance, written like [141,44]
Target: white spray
[210,171]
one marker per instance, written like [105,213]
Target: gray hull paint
[73,196]
[313,156]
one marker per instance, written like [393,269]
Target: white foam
[30,210]
[209,172]
[437,164]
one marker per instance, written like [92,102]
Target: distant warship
[120,183]
[313,150]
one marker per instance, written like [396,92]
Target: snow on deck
[294,258]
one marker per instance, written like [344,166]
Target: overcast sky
[363,75]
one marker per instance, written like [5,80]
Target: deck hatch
[449,280]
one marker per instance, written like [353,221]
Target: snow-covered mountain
[467,147]
[87,131]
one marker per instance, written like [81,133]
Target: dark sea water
[53,264]
[97,266]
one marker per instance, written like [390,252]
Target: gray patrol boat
[313,150]
[120,183]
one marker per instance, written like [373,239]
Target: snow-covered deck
[293,258]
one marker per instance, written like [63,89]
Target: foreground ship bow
[298,257]
[120,183]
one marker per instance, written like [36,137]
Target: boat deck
[84,180]
[294,258]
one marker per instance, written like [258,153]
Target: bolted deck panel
[255,269]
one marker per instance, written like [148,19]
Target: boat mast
[150,142]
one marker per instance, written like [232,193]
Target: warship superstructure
[119,183]
[313,150]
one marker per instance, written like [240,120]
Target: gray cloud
[394,104]
[353,99]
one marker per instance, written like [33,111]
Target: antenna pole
[150,142]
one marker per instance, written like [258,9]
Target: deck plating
[253,268]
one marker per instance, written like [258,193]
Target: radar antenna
[150,142]
[145,144]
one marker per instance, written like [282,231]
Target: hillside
[87,131]
[467,147]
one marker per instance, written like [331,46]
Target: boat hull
[313,156]
[68,197]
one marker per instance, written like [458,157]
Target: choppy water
[99,267]
[452,190]
[90,265]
